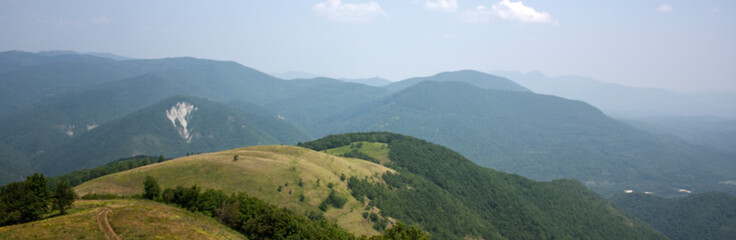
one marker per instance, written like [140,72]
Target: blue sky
[678,45]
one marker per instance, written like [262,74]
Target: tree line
[257,219]
[31,199]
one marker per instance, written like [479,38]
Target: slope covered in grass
[288,176]
[129,219]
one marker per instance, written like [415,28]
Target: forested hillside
[699,216]
[543,137]
[434,184]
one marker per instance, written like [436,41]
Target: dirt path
[107,230]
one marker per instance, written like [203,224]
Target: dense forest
[699,216]
[453,198]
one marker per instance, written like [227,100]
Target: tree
[38,185]
[161,158]
[24,201]
[63,197]
[402,232]
[151,190]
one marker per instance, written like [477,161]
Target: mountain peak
[479,79]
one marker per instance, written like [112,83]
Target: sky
[685,46]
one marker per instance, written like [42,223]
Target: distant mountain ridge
[374,81]
[478,79]
[542,137]
[628,102]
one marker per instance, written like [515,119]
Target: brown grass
[259,171]
[130,219]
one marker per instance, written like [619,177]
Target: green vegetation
[371,151]
[63,197]
[541,137]
[260,220]
[78,177]
[251,216]
[452,198]
[333,200]
[303,176]
[698,216]
[151,190]
[26,201]
[130,219]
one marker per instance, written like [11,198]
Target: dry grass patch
[259,171]
[130,219]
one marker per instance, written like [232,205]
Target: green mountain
[542,137]
[420,183]
[107,90]
[314,101]
[172,127]
[478,79]
[698,216]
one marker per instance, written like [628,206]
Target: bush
[333,200]
[151,190]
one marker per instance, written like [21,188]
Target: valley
[531,158]
[368,120]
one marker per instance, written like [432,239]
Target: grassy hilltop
[288,176]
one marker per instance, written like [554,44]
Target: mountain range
[628,102]
[418,183]
[73,103]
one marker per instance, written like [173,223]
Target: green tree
[38,184]
[402,232]
[151,190]
[63,197]
[161,158]
[24,201]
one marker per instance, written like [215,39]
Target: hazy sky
[679,45]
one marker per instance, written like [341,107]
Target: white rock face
[68,129]
[179,114]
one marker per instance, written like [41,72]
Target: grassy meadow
[288,176]
[130,219]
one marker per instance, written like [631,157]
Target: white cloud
[444,5]
[508,10]
[347,12]
[99,20]
[663,8]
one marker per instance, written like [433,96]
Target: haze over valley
[368,120]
